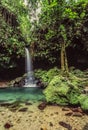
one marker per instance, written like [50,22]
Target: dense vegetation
[57,27]
[56,32]
[11,39]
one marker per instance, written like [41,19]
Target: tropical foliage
[48,26]
[11,45]
[53,30]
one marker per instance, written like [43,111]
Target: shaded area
[77,58]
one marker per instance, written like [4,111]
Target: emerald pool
[21,94]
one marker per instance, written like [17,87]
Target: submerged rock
[28,103]
[42,106]
[18,82]
[77,114]
[12,106]
[65,109]
[23,109]
[69,114]
[68,126]
[5,104]
[7,125]
[77,109]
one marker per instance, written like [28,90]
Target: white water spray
[29,81]
[28,61]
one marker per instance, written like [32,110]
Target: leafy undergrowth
[46,76]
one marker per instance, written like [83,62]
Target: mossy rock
[73,95]
[83,100]
[63,90]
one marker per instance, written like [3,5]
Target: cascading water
[28,66]
[33,16]
[29,81]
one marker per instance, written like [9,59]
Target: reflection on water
[21,94]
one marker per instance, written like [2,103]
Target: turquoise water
[21,94]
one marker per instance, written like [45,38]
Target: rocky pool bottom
[30,116]
[26,109]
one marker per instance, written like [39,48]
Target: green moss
[65,89]
[62,90]
[73,96]
[46,76]
[83,100]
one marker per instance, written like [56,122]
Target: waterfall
[33,16]
[29,81]
[28,61]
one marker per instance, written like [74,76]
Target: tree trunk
[64,61]
[62,58]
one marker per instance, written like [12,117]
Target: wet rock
[42,106]
[78,109]
[11,105]
[5,104]
[7,125]
[65,109]
[23,109]
[40,84]
[69,114]
[65,125]
[18,82]
[77,114]
[15,106]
